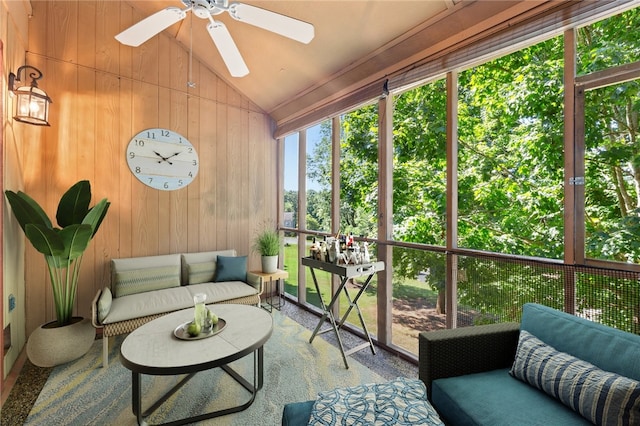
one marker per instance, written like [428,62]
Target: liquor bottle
[323,251]
[366,258]
[334,248]
[313,250]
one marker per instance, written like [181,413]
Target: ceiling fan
[206,9]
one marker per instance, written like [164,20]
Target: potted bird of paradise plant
[63,248]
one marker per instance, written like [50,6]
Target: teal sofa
[552,368]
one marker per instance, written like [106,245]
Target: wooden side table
[270,283]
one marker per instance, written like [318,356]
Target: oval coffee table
[154,350]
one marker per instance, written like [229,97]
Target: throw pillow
[104,303]
[398,402]
[231,268]
[203,272]
[602,397]
[149,279]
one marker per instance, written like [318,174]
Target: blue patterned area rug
[83,393]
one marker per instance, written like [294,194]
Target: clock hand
[164,158]
[173,155]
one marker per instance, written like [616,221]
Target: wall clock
[162,159]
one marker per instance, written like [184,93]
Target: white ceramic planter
[51,346]
[269,264]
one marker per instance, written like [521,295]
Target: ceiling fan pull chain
[191,83]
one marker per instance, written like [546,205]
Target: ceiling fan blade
[227,48]
[150,26]
[271,21]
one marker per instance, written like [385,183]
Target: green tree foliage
[612,157]
[511,162]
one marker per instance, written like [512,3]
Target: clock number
[132,154]
[195,162]
[164,133]
[139,142]
[138,169]
[190,150]
[150,179]
[166,185]
[190,174]
[180,182]
[151,135]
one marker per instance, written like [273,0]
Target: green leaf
[26,210]
[96,215]
[44,239]
[76,238]
[74,204]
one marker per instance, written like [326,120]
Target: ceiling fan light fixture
[207,9]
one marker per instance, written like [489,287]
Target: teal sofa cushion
[607,348]
[604,398]
[231,268]
[495,398]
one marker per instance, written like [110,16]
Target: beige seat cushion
[148,303]
[220,292]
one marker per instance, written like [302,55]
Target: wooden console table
[345,272]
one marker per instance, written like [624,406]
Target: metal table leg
[354,304]
[258,373]
[328,313]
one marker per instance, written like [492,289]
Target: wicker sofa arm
[94,310]
[466,350]
[255,281]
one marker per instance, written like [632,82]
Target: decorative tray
[181,331]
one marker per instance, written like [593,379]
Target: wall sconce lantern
[32,103]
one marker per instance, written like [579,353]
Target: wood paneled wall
[103,93]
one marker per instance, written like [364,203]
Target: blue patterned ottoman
[398,402]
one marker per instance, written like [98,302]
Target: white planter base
[48,347]
[269,264]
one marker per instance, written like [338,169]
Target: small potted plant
[267,242]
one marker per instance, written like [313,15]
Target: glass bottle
[200,311]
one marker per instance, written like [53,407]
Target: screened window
[319,177]
[510,168]
[359,172]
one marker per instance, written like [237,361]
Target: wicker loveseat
[552,368]
[144,288]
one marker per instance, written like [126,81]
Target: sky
[291,158]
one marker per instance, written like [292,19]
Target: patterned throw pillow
[404,402]
[397,402]
[104,304]
[201,272]
[602,397]
[345,406]
[149,279]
